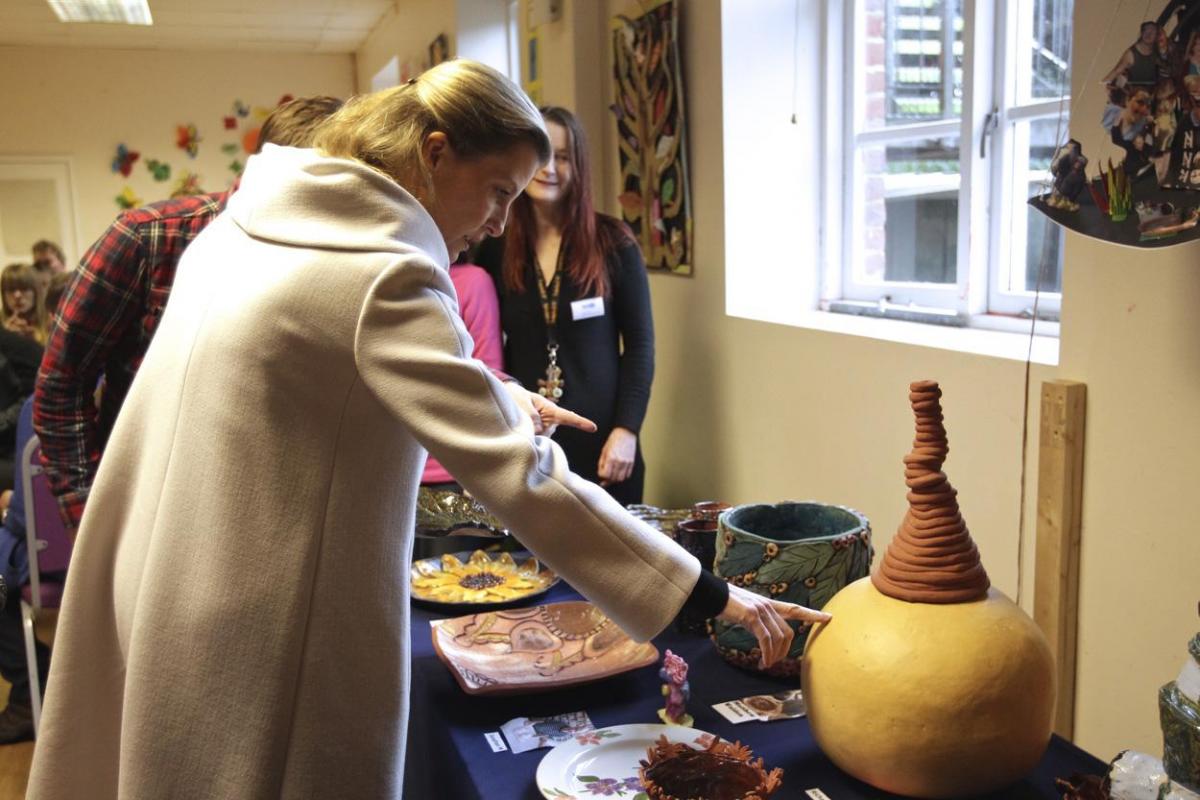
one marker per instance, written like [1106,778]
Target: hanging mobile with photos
[1151,119]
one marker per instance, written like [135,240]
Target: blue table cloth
[449,756]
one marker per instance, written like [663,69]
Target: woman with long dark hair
[575,308]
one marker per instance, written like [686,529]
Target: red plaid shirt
[105,321]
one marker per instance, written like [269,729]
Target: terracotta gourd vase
[928,682]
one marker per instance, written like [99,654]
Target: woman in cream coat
[236,621]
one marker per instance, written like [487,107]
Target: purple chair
[49,553]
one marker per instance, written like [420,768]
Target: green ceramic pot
[800,552]
[1180,718]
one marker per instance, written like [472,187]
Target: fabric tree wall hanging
[651,136]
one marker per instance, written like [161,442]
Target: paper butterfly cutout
[158,169]
[187,138]
[287,98]
[240,108]
[229,148]
[250,140]
[236,167]
[230,123]
[188,183]
[123,161]
[127,199]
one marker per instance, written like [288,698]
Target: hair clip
[411,82]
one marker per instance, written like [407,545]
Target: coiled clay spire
[932,558]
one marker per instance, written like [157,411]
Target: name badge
[588,308]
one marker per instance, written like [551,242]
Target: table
[448,756]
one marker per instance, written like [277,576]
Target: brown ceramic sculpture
[929,682]
[721,771]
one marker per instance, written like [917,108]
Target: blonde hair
[21,276]
[480,111]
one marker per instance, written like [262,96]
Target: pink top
[480,310]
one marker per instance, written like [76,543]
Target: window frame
[985,262]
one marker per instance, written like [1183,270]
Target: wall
[81,103]
[406,33]
[746,411]
[1131,332]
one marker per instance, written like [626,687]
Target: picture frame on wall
[439,50]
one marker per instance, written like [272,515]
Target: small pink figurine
[674,671]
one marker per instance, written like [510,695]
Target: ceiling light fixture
[127,12]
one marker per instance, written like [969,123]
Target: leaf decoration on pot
[739,558]
[794,564]
[831,579]
[734,636]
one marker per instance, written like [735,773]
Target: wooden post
[1059,505]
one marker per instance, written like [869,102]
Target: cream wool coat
[236,622]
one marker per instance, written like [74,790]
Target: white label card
[587,308]
[496,741]
[816,794]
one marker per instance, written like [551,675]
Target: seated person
[16,720]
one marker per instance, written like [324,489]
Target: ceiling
[295,26]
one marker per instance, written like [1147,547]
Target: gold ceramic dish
[483,579]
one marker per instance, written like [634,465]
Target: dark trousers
[13,666]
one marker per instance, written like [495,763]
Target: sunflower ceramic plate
[523,650]
[605,761]
[479,578]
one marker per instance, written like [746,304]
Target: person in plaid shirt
[110,311]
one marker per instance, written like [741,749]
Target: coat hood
[300,197]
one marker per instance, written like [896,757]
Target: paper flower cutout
[187,138]
[229,149]
[230,123]
[287,98]
[188,183]
[127,199]
[240,108]
[250,140]
[158,169]
[261,113]
[236,167]
[123,161]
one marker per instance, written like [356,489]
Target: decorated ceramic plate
[524,650]
[604,762]
[479,578]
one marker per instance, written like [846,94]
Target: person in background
[111,309]
[1139,64]
[574,297]
[16,720]
[52,254]
[480,311]
[236,622]
[23,302]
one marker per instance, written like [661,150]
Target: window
[953,109]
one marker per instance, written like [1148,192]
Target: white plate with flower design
[604,762]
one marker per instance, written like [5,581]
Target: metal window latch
[990,123]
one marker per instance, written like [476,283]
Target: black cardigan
[607,361]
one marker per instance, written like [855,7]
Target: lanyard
[552,385]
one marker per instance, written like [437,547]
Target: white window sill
[1011,343]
